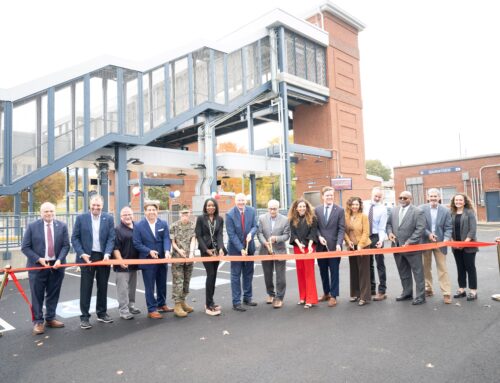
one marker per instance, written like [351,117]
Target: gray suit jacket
[281,230]
[468,227]
[443,225]
[411,229]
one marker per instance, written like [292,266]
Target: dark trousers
[101,274]
[379,258]
[466,267]
[329,271]
[155,275]
[45,284]
[280,267]
[211,268]
[359,268]
[241,271]
[411,264]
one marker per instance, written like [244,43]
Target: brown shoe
[38,329]
[269,299]
[447,299]
[278,303]
[54,323]
[324,298]
[332,302]
[379,297]
[155,315]
[429,293]
[165,309]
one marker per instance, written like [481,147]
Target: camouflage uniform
[181,272]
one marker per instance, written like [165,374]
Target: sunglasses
[403,198]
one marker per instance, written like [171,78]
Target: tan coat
[357,230]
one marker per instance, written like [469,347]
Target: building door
[493,206]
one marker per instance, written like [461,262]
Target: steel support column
[122,195]
[251,149]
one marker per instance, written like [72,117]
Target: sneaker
[85,324]
[212,311]
[127,316]
[105,319]
[134,310]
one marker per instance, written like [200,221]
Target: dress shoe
[239,308]
[269,299]
[332,302]
[459,294]
[418,301]
[380,297]
[38,329]
[134,310]
[54,323]
[447,299]
[472,296]
[250,303]
[324,298]
[155,315]
[105,319]
[404,298]
[85,324]
[429,293]
[165,309]
[278,303]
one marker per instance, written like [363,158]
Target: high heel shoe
[459,294]
[471,296]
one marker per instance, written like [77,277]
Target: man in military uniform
[183,239]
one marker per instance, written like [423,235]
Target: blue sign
[451,169]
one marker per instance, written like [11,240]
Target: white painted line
[109,283]
[4,326]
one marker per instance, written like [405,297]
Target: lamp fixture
[135,161]
[199,166]
[104,158]
[181,174]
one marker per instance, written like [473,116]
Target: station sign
[341,183]
[450,169]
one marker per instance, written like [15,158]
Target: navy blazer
[236,237]
[82,235]
[145,241]
[33,245]
[333,230]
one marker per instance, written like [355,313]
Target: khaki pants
[444,279]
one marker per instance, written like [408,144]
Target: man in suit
[93,239]
[241,226]
[406,227]
[331,228]
[46,243]
[273,232]
[437,229]
[152,240]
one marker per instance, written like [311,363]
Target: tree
[158,193]
[376,168]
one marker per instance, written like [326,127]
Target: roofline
[450,160]
[245,35]
[338,12]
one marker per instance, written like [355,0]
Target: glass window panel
[97,123]
[201,62]
[44,134]
[219,78]
[447,194]
[146,97]
[265,56]
[311,62]
[300,57]
[321,65]
[24,138]
[290,53]
[79,120]
[63,125]
[252,66]
[234,74]
[159,101]
[130,79]
[1,143]
[181,86]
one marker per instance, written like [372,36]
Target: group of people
[326,228]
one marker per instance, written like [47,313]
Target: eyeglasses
[403,198]
[272,208]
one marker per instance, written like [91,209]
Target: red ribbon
[21,290]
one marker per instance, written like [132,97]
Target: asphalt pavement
[384,341]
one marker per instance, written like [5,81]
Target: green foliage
[376,168]
[158,193]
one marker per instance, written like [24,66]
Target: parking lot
[384,341]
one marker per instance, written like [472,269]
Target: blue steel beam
[50,124]
[121,180]
[7,143]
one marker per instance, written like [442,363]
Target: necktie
[50,243]
[243,222]
[327,213]
[370,218]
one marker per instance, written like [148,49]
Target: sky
[430,69]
